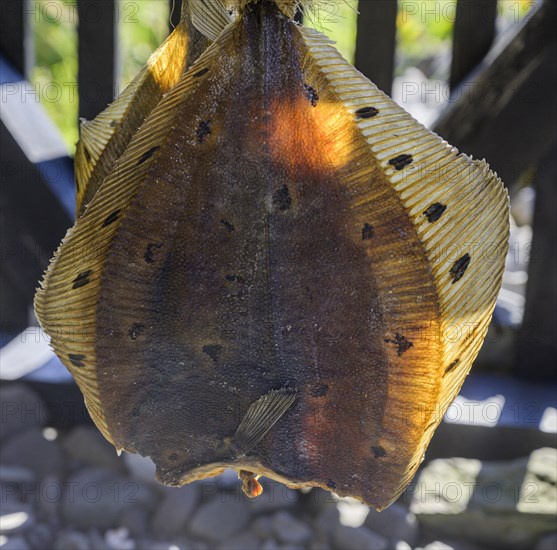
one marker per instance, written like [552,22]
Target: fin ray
[468,302]
[103,140]
[209,17]
[262,415]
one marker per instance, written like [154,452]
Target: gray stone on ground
[510,504]
[136,520]
[270,544]
[97,539]
[29,449]
[352,512]
[437,545]
[243,541]
[51,491]
[358,538]
[20,408]
[319,544]
[72,540]
[262,526]
[395,523]
[220,518]
[16,474]
[174,510]
[289,530]
[455,544]
[15,542]
[13,499]
[95,497]
[547,542]
[151,544]
[86,444]
[327,521]
[119,539]
[15,522]
[40,535]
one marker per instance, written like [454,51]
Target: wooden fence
[474,32]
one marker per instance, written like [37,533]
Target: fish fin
[460,211]
[261,416]
[66,302]
[209,17]
[103,139]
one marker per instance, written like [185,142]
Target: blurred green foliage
[54,71]
[424,31]
[143,26]
[337,19]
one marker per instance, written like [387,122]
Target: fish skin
[265,243]
[299,264]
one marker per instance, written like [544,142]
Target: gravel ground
[69,491]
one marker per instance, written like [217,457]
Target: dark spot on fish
[111,218]
[87,154]
[331,484]
[234,278]
[459,267]
[379,452]
[320,391]
[452,366]
[113,123]
[228,225]
[149,254]
[203,130]
[147,155]
[82,279]
[311,94]
[367,231]
[136,330]
[213,351]
[173,457]
[282,199]
[435,211]
[366,112]
[402,343]
[201,72]
[401,161]
[76,359]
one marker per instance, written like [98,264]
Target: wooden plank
[13,307]
[507,114]
[32,224]
[376,41]
[14,35]
[96,55]
[537,345]
[474,31]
